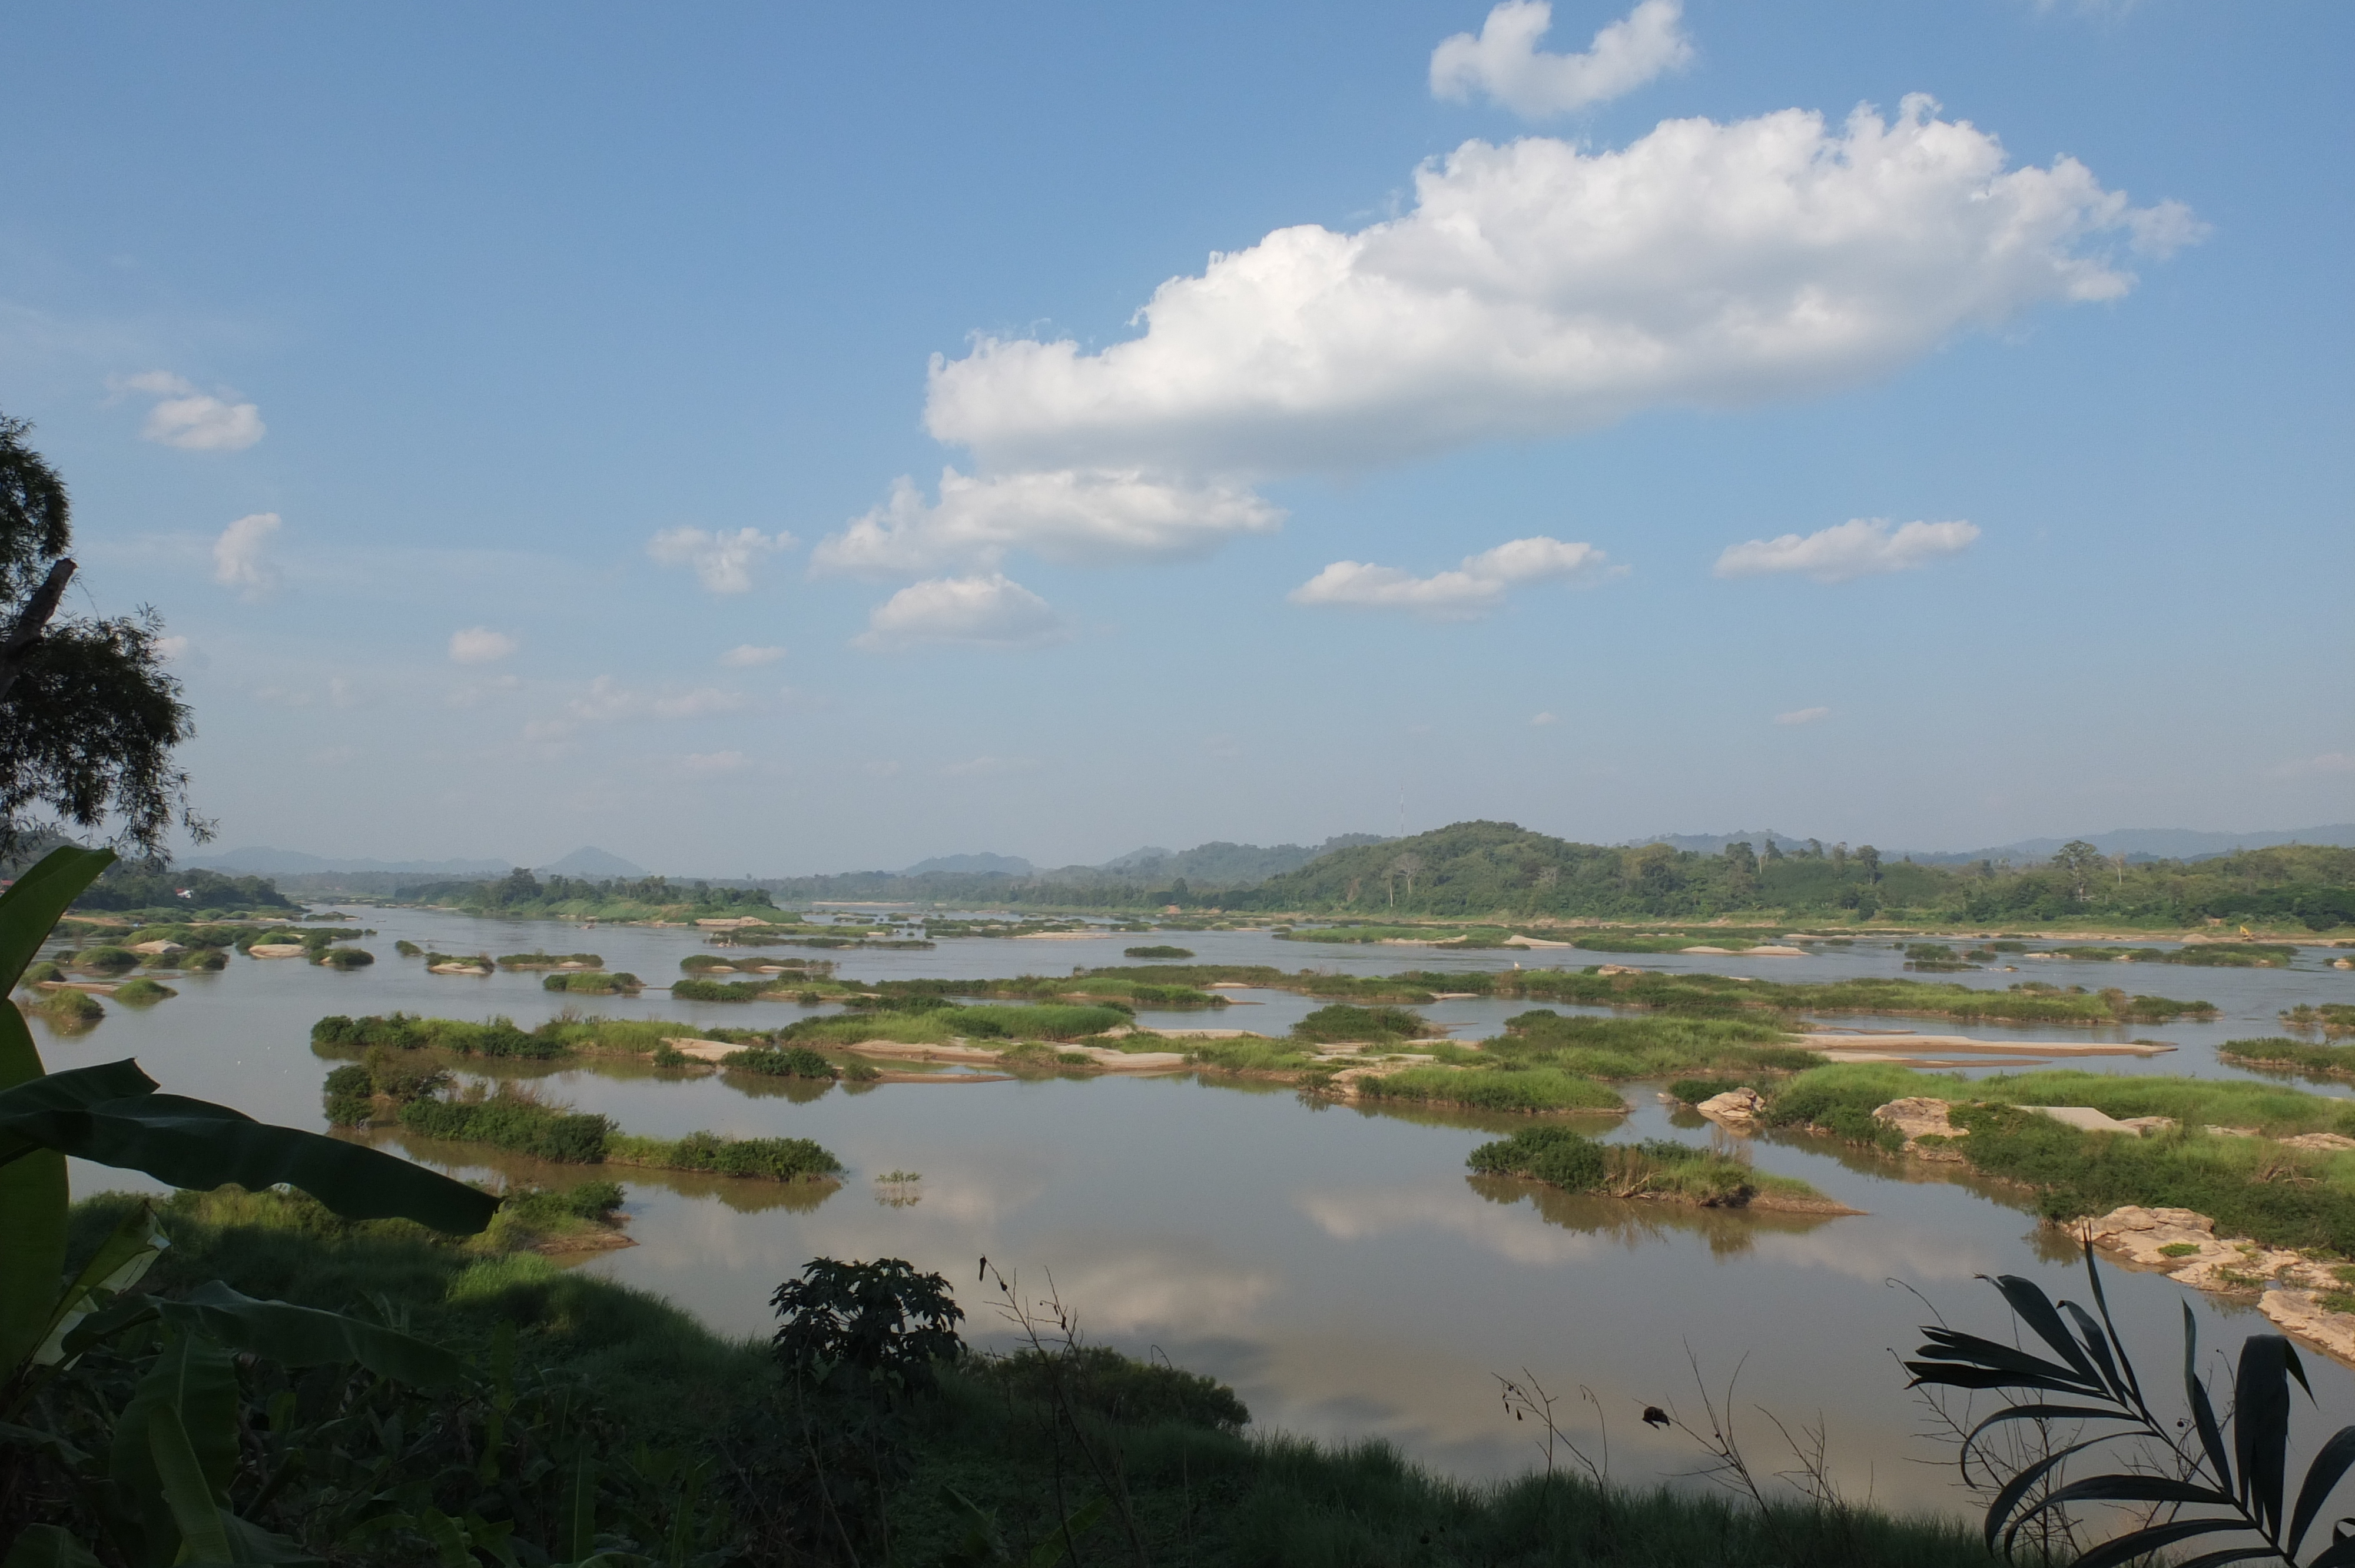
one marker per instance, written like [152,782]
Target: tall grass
[1529,1089]
[2029,1002]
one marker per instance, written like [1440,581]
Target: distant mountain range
[1215,865]
[972,865]
[590,861]
[2148,843]
[259,861]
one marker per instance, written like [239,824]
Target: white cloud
[171,648]
[714,761]
[1470,591]
[746,656]
[975,612]
[481,645]
[238,558]
[1505,64]
[1859,547]
[1540,721]
[989,767]
[190,419]
[722,562]
[1089,516]
[1802,716]
[1537,289]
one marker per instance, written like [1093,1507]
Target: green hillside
[1489,868]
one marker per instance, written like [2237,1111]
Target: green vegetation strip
[2251,1186]
[1656,1167]
[521,1124]
[1508,1089]
[2279,1054]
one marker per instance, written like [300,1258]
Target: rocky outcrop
[1919,1117]
[1738,1105]
[2185,1245]
[2302,1313]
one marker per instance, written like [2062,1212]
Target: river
[1337,1265]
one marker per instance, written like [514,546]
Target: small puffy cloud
[1540,721]
[989,767]
[1539,289]
[171,647]
[189,419]
[1088,516]
[746,656]
[1470,591]
[239,559]
[715,762]
[1505,63]
[990,611]
[1802,716]
[722,562]
[481,645]
[1859,547]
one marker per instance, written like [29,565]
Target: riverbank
[2235,1187]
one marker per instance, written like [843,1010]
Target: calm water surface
[1338,1267]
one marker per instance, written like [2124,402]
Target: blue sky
[506,405]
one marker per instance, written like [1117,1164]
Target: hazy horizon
[424,864]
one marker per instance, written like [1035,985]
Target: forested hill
[1142,878]
[1481,868]
[521,894]
[130,885]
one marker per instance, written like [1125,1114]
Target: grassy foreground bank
[671,1416]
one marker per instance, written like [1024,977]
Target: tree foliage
[89,716]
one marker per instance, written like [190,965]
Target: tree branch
[16,652]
